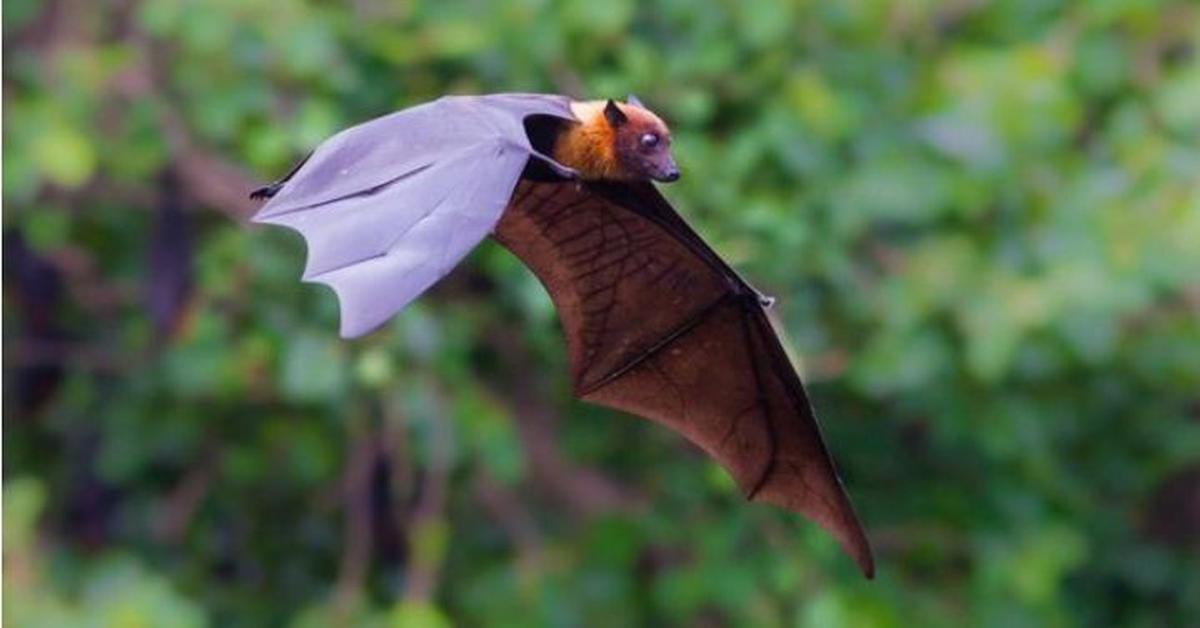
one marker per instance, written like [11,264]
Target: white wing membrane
[389,207]
[374,288]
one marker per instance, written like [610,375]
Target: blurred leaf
[24,499]
[313,368]
[417,615]
[63,153]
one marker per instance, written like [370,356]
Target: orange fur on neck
[589,146]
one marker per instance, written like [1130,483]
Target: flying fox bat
[656,323]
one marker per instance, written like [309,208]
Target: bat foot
[753,297]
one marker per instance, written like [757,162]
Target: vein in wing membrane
[611,268]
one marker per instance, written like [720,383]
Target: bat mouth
[669,175]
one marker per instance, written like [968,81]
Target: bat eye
[649,140]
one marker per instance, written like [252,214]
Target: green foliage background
[982,220]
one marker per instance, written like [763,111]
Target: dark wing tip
[850,535]
[841,523]
[865,559]
[848,531]
[868,568]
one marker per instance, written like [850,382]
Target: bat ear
[614,115]
[633,100]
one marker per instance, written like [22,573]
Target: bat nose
[672,174]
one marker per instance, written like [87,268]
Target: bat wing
[388,207]
[657,325]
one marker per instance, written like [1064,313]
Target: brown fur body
[600,147]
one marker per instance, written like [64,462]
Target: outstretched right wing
[388,207]
[657,325]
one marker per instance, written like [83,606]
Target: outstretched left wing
[388,207]
[658,325]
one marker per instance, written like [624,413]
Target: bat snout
[666,172]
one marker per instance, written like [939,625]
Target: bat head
[641,142]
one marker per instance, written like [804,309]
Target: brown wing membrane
[657,325]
